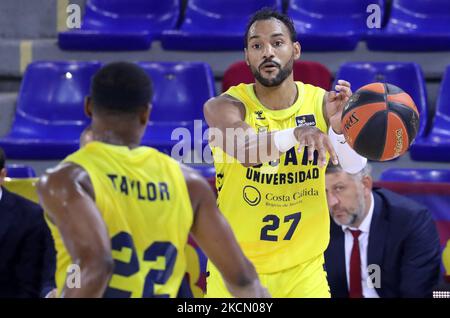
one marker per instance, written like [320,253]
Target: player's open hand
[335,102]
[315,139]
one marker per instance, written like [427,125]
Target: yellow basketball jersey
[446,259]
[278,210]
[143,199]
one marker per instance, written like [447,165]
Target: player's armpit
[214,235]
[64,194]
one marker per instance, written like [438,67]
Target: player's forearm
[248,147]
[349,159]
[255,149]
[94,279]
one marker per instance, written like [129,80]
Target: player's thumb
[332,96]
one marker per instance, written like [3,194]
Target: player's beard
[283,73]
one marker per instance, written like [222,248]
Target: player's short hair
[366,171]
[2,159]
[267,14]
[121,87]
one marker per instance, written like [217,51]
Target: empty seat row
[414,25]
[435,146]
[50,115]
[416,175]
[19,171]
[121,25]
[212,25]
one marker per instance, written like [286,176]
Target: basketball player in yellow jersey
[270,164]
[122,213]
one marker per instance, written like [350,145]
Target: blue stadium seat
[180,90]
[121,25]
[407,76]
[214,25]
[436,145]
[414,25]
[19,171]
[330,25]
[49,114]
[416,175]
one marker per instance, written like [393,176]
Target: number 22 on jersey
[123,240]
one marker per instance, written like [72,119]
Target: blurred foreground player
[194,273]
[123,213]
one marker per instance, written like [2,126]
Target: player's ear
[144,116]
[88,106]
[367,182]
[246,56]
[3,174]
[297,50]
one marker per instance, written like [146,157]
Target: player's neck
[119,134]
[278,97]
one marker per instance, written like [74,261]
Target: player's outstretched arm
[225,117]
[212,232]
[67,197]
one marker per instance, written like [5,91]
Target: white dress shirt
[1,193]
[364,227]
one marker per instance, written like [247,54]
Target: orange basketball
[380,121]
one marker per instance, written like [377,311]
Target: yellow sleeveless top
[143,199]
[446,259]
[278,210]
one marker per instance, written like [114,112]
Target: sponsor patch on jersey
[251,195]
[305,120]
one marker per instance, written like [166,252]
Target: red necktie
[355,268]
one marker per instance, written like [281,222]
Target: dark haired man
[271,186]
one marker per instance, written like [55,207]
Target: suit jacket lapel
[377,235]
[6,212]
[338,239]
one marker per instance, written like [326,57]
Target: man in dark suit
[381,244]
[27,255]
